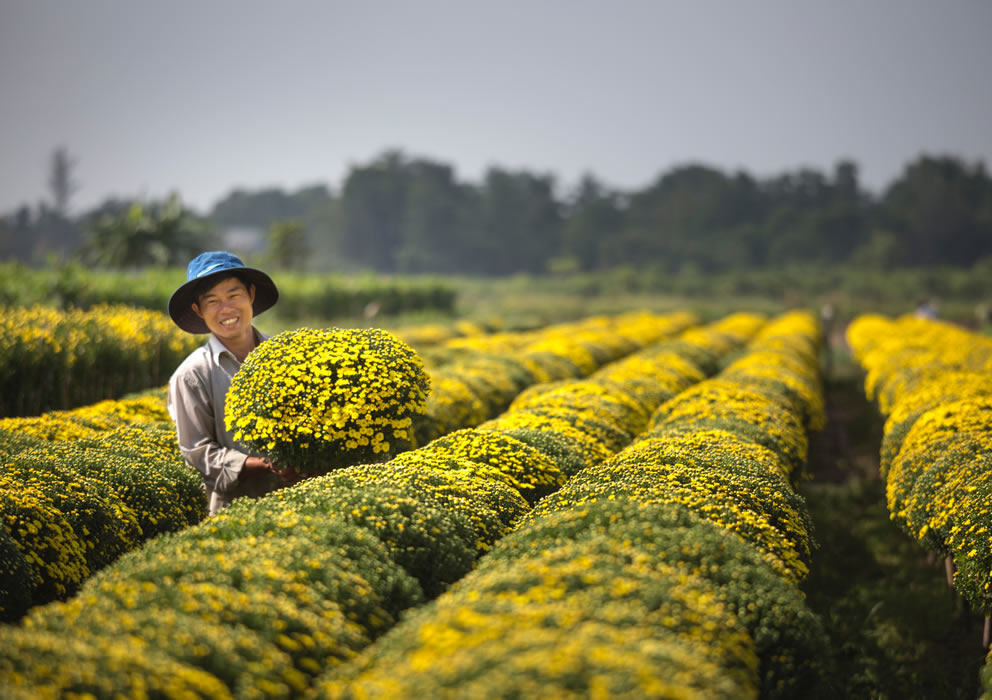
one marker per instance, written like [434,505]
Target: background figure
[927,308]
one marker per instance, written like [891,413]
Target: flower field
[83,486]
[933,383]
[599,508]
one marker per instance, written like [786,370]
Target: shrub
[101,522]
[480,493]
[790,640]
[433,544]
[323,399]
[578,620]
[56,558]
[45,664]
[528,470]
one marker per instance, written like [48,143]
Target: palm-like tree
[143,235]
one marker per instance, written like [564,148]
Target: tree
[166,234]
[259,209]
[813,218]
[594,217]
[60,180]
[436,220]
[940,210]
[519,222]
[373,202]
[693,217]
[288,247]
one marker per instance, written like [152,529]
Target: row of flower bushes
[474,378]
[424,335]
[668,570]
[260,599]
[933,383]
[91,488]
[52,359]
[79,488]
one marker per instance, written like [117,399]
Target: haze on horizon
[200,98]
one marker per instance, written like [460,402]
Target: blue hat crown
[213,265]
[209,263]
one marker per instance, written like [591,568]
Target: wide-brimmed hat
[218,265]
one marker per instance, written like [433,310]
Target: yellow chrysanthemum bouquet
[317,400]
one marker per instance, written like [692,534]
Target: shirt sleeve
[191,410]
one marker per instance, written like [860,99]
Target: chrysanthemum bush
[271,592]
[582,619]
[933,382]
[525,468]
[51,359]
[789,639]
[317,400]
[36,664]
[48,552]
[735,493]
[92,481]
[104,524]
[476,378]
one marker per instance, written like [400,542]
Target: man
[221,296]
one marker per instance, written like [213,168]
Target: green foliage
[156,235]
[287,246]
[895,631]
[411,214]
[301,295]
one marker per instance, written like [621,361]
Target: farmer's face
[226,308]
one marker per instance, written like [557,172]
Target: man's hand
[257,464]
[289,475]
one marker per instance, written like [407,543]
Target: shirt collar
[217,348]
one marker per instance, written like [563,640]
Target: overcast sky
[201,96]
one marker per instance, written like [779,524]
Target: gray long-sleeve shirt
[197,390]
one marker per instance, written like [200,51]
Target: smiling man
[221,296]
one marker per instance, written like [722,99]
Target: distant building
[243,240]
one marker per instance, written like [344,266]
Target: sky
[202,96]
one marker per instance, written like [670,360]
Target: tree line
[402,214]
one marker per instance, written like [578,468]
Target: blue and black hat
[217,265]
